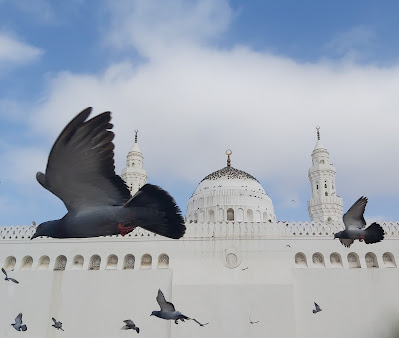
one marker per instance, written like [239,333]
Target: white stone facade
[228,270]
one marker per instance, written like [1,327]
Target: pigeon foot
[176,322]
[124,230]
[361,238]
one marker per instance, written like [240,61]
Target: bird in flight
[317,308]
[168,311]
[57,325]
[130,326]
[252,322]
[18,323]
[9,278]
[355,226]
[81,172]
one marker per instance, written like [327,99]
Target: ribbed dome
[229,173]
[230,194]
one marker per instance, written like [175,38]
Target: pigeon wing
[128,322]
[18,319]
[54,320]
[4,271]
[163,304]
[13,280]
[353,219]
[317,306]
[80,168]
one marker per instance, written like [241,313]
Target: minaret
[134,174]
[324,206]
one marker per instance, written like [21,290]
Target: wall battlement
[225,229]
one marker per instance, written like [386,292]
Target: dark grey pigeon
[355,226]
[252,322]
[168,311]
[80,171]
[9,278]
[57,325]
[130,326]
[18,323]
[317,308]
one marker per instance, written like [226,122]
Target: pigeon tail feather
[152,196]
[374,234]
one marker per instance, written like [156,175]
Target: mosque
[237,267]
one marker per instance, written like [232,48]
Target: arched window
[163,261]
[95,262]
[250,215]
[60,263]
[353,261]
[112,262]
[26,263]
[326,193]
[371,260]
[335,260]
[389,260]
[230,214]
[77,263]
[211,216]
[318,260]
[300,260]
[257,216]
[9,264]
[146,261]
[44,263]
[240,215]
[129,262]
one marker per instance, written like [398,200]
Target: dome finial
[135,136]
[318,132]
[228,153]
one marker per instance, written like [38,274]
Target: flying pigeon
[317,308]
[57,325]
[354,226]
[18,323]
[130,325]
[9,278]
[80,171]
[168,311]
[251,322]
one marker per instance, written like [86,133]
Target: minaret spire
[134,174]
[324,205]
[228,153]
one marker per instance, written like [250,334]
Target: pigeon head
[49,229]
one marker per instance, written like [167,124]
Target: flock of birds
[167,311]
[81,172]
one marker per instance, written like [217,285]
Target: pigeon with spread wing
[168,311]
[81,172]
[355,226]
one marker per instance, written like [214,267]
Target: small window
[60,263]
[77,263]
[112,263]
[317,186]
[230,214]
[326,193]
[95,263]
[146,261]
[44,263]
[129,262]
[163,261]
[325,185]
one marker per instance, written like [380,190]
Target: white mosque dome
[230,194]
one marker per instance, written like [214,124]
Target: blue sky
[196,78]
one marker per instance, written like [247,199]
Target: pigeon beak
[34,236]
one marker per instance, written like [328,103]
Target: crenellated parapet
[223,230]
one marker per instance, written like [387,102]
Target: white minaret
[324,206]
[134,174]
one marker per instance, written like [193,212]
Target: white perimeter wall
[361,302]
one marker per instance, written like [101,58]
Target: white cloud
[13,51]
[151,26]
[192,101]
